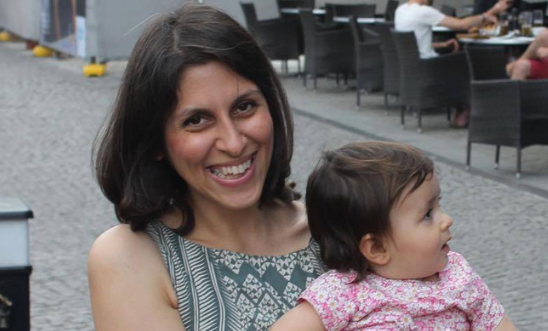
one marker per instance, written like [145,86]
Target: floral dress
[458,300]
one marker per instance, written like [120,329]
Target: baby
[374,209]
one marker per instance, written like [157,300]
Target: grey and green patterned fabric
[223,290]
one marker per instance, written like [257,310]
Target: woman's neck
[269,230]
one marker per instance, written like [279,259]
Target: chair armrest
[449,65]
[446,58]
[276,22]
[534,98]
[370,33]
[334,33]
[369,45]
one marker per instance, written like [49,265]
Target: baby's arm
[301,318]
[506,325]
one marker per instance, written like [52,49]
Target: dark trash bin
[15,268]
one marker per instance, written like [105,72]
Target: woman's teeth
[232,171]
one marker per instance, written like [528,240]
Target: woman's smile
[233,173]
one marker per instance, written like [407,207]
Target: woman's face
[219,138]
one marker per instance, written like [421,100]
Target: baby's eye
[428,214]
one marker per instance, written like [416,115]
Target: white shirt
[420,19]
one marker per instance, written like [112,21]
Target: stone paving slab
[50,114]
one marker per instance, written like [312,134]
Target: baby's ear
[374,250]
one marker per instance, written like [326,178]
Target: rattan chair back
[486,62]
[390,11]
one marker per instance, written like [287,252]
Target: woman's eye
[245,106]
[195,120]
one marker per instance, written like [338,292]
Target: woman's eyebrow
[182,112]
[247,94]
[186,112]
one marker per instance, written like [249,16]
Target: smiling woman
[195,159]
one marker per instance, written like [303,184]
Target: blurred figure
[533,64]
[420,17]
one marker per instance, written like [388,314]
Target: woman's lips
[232,180]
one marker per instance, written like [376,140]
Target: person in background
[533,63]
[419,16]
[374,208]
[195,159]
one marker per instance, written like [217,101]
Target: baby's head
[374,206]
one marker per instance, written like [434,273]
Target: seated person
[420,17]
[533,64]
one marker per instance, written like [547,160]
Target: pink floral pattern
[459,300]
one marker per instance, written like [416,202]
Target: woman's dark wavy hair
[142,188]
[351,193]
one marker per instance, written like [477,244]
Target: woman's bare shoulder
[128,280]
[121,238]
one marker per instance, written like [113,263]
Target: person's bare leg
[538,49]
[538,45]
[542,52]
[520,70]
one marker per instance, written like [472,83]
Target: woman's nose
[230,138]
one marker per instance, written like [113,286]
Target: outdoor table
[360,20]
[442,29]
[295,11]
[514,46]
[499,41]
[373,20]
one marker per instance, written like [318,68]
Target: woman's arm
[301,318]
[129,285]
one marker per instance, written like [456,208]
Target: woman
[195,160]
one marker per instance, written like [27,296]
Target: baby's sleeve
[330,296]
[483,310]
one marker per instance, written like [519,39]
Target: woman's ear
[374,250]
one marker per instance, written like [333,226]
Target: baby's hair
[351,192]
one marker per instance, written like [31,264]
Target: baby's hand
[506,325]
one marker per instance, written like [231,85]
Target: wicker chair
[430,84]
[504,112]
[344,10]
[391,68]
[448,10]
[297,4]
[357,10]
[326,51]
[390,11]
[279,38]
[369,63]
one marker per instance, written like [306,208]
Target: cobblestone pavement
[50,114]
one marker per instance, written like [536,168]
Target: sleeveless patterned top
[223,290]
